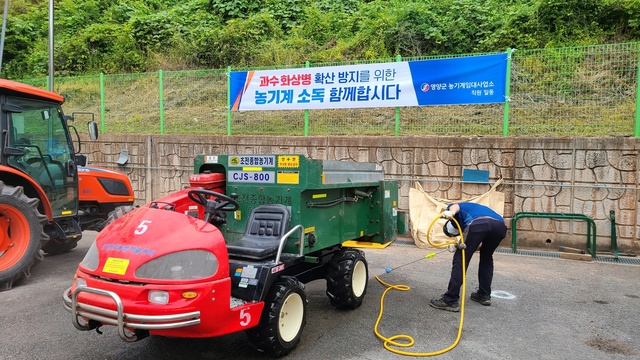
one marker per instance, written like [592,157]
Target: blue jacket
[470,211]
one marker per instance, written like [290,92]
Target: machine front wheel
[282,320]
[347,279]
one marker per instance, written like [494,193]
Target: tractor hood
[149,244]
[102,185]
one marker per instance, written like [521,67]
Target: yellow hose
[408,340]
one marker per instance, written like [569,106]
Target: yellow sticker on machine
[116,266]
[289,161]
[288,177]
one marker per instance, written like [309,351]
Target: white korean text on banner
[452,81]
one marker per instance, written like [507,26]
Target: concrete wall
[590,176]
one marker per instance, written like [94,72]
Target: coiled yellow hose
[388,342]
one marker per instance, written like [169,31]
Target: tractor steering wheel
[212,202]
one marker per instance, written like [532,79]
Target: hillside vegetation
[122,36]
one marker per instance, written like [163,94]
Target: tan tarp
[423,208]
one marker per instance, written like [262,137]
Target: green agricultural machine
[233,251]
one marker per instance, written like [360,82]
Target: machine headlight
[91,259]
[182,265]
[159,297]
[80,282]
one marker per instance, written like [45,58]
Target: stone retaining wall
[590,176]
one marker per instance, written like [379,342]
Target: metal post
[636,132]
[161,105]
[507,95]
[50,45]
[614,236]
[4,30]
[306,111]
[228,100]
[397,117]
[102,113]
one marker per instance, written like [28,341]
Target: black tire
[117,213]
[57,246]
[21,235]
[347,279]
[282,320]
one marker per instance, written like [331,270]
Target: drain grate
[530,252]
[620,260]
[607,259]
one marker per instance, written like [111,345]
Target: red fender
[41,194]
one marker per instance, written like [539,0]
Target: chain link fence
[576,91]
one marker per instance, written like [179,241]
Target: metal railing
[591,226]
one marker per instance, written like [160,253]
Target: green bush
[99,48]
[144,35]
[238,42]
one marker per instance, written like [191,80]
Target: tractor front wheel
[347,279]
[282,320]
[21,235]
[117,213]
[56,246]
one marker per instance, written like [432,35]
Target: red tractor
[45,203]
[232,252]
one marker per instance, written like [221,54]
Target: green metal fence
[576,91]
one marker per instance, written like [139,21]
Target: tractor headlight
[91,259]
[114,187]
[182,265]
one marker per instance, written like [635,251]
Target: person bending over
[482,229]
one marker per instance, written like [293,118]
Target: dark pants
[486,231]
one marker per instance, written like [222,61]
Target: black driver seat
[261,239]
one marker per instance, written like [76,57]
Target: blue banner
[458,81]
[452,81]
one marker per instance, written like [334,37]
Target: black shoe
[441,304]
[481,298]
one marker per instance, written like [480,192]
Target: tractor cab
[38,144]
[41,207]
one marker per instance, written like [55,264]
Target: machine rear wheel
[282,320]
[21,235]
[347,279]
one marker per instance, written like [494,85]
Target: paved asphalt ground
[543,308]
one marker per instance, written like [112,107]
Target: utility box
[208,181]
[335,201]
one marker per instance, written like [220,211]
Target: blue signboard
[452,81]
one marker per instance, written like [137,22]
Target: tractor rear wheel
[21,235]
[347,279]
[282,320]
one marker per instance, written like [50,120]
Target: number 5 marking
[143,227]
[245,318]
